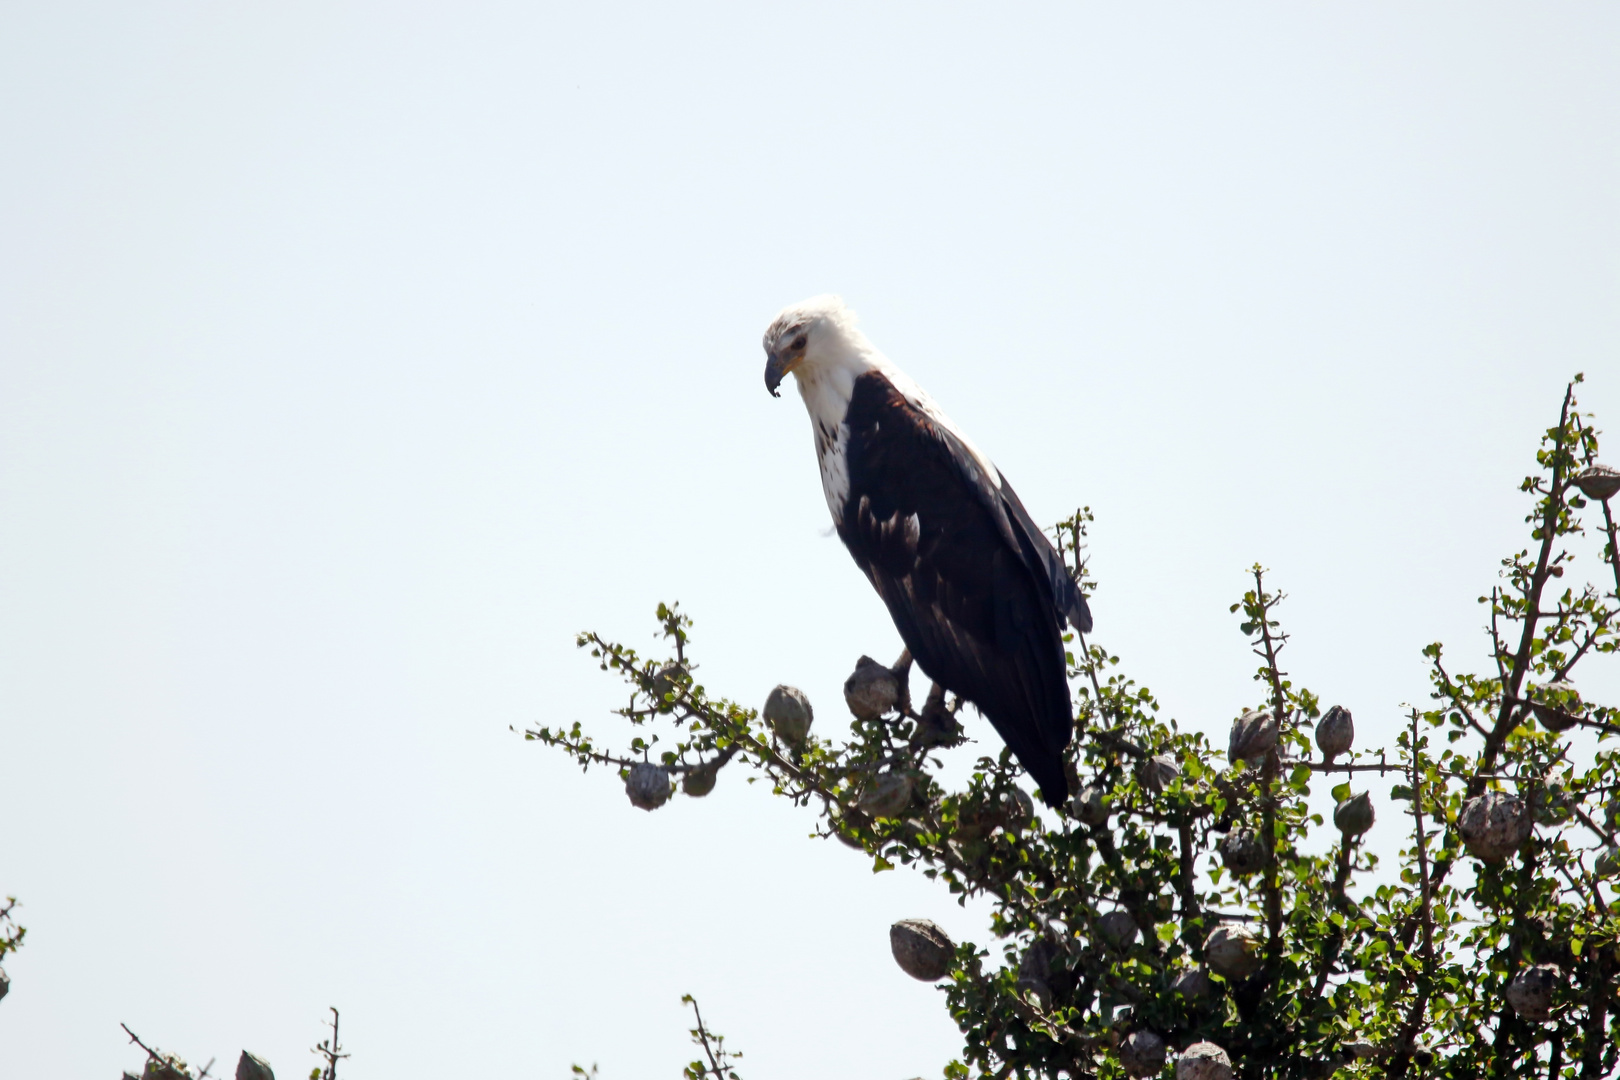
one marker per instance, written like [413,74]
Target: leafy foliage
[1190,896]
[11,934]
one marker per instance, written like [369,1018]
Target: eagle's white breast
[834,459]
[837,355]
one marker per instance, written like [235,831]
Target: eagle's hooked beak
[776,369]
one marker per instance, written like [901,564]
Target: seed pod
[250,1067]
[1160,772]
[888,794]
[1363,1049]
[936,727]
[1036,963]
[1493,825]
[1253,735]
[1242,852]
[844,822]
[1531,992]
[1017,809]
[1557,705]
[699,781]
[1549,804]
[647,785]
[1607,863]
[1142,1053]
[1118,929]
[1035,971]
[1233,952]
[1036,988]
[1355,815]
[1598,482]
[1204,1061]
[922,949]
[788,712]
[1336,733]
[1194,984]
[976,819]
[872,690]
[1089,807]
[666,684]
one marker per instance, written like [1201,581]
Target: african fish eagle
[973,585]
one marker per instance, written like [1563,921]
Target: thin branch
[151,1054]
[1268,778]
[1414,1018]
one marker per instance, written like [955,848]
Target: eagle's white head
[818,342]
[814,339]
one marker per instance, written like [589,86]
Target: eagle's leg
[936,724]
[902,674]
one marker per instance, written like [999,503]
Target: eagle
[974,587]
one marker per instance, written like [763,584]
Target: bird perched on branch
[975,589]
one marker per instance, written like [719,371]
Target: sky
[353,357]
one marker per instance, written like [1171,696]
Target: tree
[11,938]
[1173,910]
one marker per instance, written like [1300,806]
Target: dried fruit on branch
[844,825]
[1253,735]
[1232,952]
[871,690]
[1204,1061]
[788,712]
[1018,809]
[1354,816]
[888,794]
[1549,803]
[1242,852]
[1557,705]
[1194,984]
[1493,825]
[699,781]
[667,685]
[1118,929]
[647,785]
[1599,482]
[1141,1053]
[1607,864]
[1089,807]
[922,949]
[1336,733]
[250,1067]
[1531,992]
[1160,772]
[1035,971]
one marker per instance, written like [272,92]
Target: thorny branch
[331,1050]
[1070,993]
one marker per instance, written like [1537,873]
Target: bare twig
[1268,775]
[1414,1019]
[331,1050]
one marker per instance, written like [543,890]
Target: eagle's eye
[799,343]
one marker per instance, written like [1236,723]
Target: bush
[1175,905]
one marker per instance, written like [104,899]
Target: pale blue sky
[353,357]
